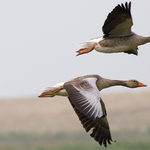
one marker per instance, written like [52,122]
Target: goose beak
[141,84]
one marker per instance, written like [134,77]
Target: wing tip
[101,135]
[120,9]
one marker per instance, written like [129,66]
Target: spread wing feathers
[84,94]
[118,22]
[100,132]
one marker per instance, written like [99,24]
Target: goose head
[134,84]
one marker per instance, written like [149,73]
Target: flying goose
[83,94]
[118,36]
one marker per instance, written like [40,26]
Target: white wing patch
[92,98]
[86,97]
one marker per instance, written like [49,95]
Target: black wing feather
[119,15]
[100,132]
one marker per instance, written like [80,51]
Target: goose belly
[113,49]
[62,92]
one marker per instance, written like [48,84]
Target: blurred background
[38,43]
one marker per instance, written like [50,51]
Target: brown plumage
[83,94]
[118,36]
[100,127]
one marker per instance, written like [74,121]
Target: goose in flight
[118,36]
[83,94]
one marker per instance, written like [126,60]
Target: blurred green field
[51,123]
[133,140]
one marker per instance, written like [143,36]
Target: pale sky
[38,40]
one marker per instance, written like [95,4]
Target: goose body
[83,94]
[118,36]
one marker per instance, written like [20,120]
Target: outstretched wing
[85,99]
[100,126]
[118,22]
[84,94]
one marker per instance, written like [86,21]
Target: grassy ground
[51,123]
[133,140]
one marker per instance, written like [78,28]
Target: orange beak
[141,84]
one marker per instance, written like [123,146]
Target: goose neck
[105,83]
